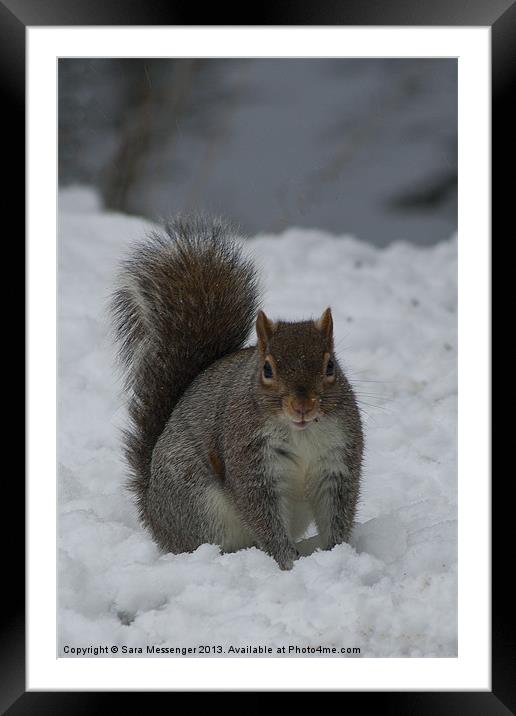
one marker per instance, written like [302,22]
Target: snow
[393,590]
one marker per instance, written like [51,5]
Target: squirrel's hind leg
[187,506]
[230,531]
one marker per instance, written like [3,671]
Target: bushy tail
[186,297]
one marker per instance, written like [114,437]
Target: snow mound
[393,590]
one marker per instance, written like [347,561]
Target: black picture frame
[500,15]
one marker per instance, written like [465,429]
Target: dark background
[360,146]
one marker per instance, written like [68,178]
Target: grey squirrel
[228,445]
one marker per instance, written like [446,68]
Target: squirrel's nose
[299,406]
[303,405]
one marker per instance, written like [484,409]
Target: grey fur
[213,457]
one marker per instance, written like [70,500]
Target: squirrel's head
[298,374]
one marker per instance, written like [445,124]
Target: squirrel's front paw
[335,539]
[286,562]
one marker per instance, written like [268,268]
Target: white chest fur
[300,460]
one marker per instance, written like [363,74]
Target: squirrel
[230,445]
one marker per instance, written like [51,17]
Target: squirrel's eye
[330,367]
[267,370]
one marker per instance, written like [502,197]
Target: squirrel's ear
[325,325]
[264,330]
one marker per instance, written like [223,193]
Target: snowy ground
[393,592]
